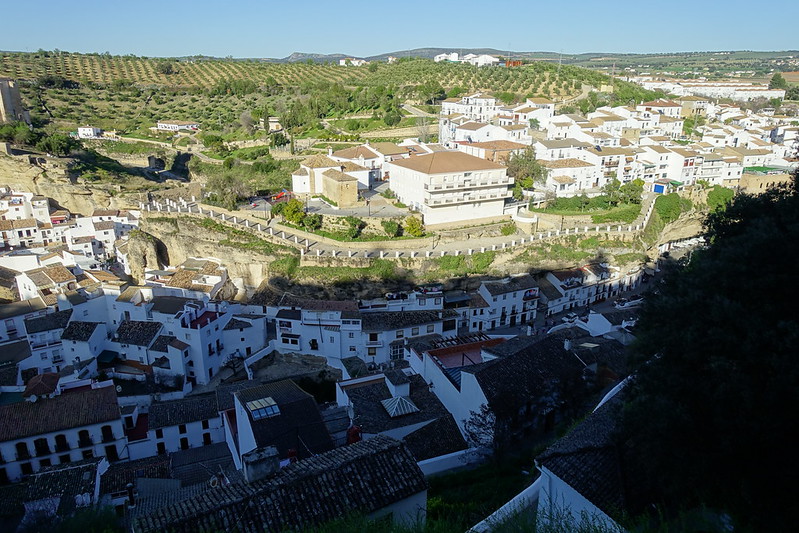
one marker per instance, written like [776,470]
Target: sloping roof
[41,384]
[319,161]
[337,175]
[298,425]
[500,145]
[137,332]
[391,320]
[360,478]
[192,409]
[355,152]
[443,162]
[512,284]
[65,411]
[79,331]
[591,461]
[170,305]
[65,482]
[371,416]
[120,473]
[398,406]
[57,320]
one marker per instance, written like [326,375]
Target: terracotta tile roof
[338,176]
[355,152]
[565,163]
[360,478]
[137,332]
[65,411]
[41,384]
[472,126]
[57,320]
[192,409]
[444,162]
[79,331]
[498,145]
[319,161]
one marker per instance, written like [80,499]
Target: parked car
[570,318]
[626,303]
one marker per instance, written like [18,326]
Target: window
[414,331]
[87,454]
[397,351]
[332,339]
[351,335]
[206,439]
[400,333]
[206,424]
[438,301]
[184,443]
[64,459]
[26,468]
[371,351]
[160,448]
[182,429]
[45,462]
[430,328]
[159,433]
[352,348]
[373,337]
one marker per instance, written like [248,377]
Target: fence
[321,248]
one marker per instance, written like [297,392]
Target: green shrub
[390,227]
[509,229]
[414,227]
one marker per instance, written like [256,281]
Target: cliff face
[176,239]
[53,181]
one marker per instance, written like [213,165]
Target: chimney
[567,344]
[131,496]
[342,168]
[260,463]
[329,151]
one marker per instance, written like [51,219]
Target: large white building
[451,187]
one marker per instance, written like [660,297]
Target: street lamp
[368,208]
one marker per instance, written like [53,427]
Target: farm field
[542,78]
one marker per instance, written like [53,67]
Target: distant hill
[297,57]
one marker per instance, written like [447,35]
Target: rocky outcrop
[50,178]
[178,238]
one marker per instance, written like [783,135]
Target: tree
[414,227]
[392,118]
[57,144]
[612,190]
[630,192]
[312,222]
[535,124]
[709,416]
[228,189]
[390,227]
[294,211]
[777,82]
[166,68]
[526,170]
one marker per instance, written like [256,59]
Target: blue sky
[270,28]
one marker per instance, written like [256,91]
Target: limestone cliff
[175,239]
[51,179]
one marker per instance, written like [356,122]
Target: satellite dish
[119,388]
[33,398]
[213,482]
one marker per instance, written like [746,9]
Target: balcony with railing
[433,201]
[85,442]
[468,184]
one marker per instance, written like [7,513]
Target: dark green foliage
[391,227]
[711,415]
[57,144]
[236,87]
[355,225]
[777,82]
[526,170]
[18,133]
[718,197]
[312,222]
[670,206]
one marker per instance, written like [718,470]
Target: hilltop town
[277,332]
